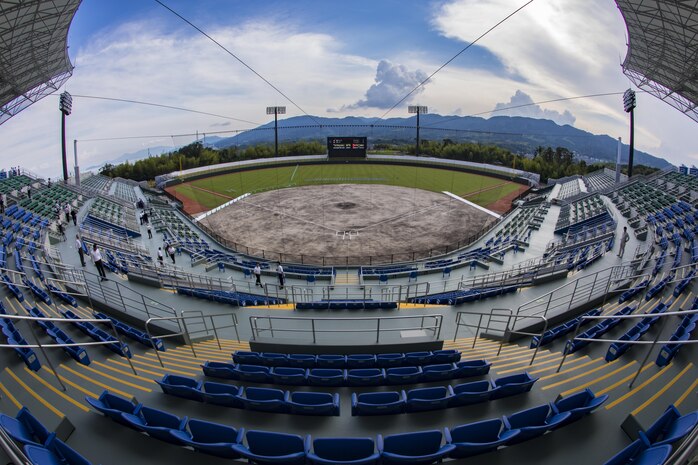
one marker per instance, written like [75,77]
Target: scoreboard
[346,147]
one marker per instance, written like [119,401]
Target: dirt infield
[189,205]
[347,220]
[503,204]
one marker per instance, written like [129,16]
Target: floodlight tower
[418,109]
[276,111]
[629,104]
[65,105]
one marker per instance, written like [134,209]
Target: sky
[332,58]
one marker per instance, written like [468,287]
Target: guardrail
[311,325]
[663,318]
[580,291]
[500,315]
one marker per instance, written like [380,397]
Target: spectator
[61,231]
[171,252]
[150,232]
[74,215]
[2,204]
[78,245]
[97,259]
[280,274]
[258,275]
[160,257]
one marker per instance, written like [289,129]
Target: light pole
[418,109]
[629,104]
[65,105]
[276,111]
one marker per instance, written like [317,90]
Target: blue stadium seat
[418,358]
[156,423]
[468,368]
[219,370]
[365,377]
[265,448]
[55,452]
[534,422]
[478,438]
[247,358]
[272,359]
[512,385]
[112,406]
[313,403]
[471,393]
[226,395]
[639,453]
[440,372]
[331,361]
[25,428]
[252,373]
[326,377]
[265,399]
[446,356]
[301,360]
[210,438]
[390,360]
[670,427]
[181,386]
[431,398]
[403,375]
[378,403]
[342,451]
[419,448]
[578,404]
[289,375]
[361,361]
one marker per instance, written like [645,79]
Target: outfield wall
[202,172]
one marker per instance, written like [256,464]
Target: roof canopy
[33,51]
[662,54]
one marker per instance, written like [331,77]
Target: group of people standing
[257,271]
[170,251]
[95,254]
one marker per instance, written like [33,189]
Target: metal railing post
[188,338]
[150,336]
[378,330]
[313,326]
[545,328]
[43,351]
[649,351]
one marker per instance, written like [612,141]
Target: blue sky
[336,59]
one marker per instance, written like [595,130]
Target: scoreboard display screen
[346,147]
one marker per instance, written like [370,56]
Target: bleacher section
[599,180]
[125,192]
[569,189]
[97,183]
[105,214]
[587,211]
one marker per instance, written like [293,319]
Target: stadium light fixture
[419,110]
[65,105]
[629,104]
[276,111]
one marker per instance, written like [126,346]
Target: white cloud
[564,48]
[521,104]
[392,83]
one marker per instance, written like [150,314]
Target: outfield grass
[479,189]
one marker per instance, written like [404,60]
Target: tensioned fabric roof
[33,51]
[662,54]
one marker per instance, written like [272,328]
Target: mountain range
[519,134]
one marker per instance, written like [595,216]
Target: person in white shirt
[171,253]
[97,259]
[624,238]
[280,274]
[78,245]
[160,256]
[258,275]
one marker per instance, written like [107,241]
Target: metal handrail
[662,316]
[256,329]
[41,346]
[185,330]
[508,330]
[686,450]
[14,453]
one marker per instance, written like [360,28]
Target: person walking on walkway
[97,259]
[171,253]
[160,257]
[81,252]
[74,215]
[280,274]
[150,232]
[257,275]
[624,238]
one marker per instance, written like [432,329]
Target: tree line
[550,163]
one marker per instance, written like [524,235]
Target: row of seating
[387,360]
[69,346]
[598,330]
[14,290]
[14,337]
[347,304]
[99,335]
[341,377]
[617,349]
[550,335]
[240,299]
[417,448]
[251,398]
[462,296]
[633,291]
[134,333]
